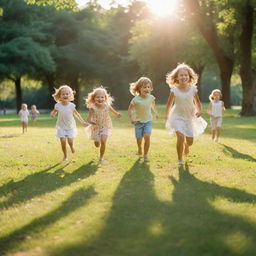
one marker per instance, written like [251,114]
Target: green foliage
[59,4]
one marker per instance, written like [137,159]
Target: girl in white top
[34,114]
[215,109]
[66,125]
[99,103]
[183,118]
[140,114]
[24,114]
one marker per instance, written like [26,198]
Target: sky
[160,8]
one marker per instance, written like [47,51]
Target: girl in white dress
[183,118]
[215,109]
[66,125]
[24,114]
[99,103]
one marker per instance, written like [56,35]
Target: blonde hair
[215,90]
[57,93]
[135,87]
[33,106]
[171,77]
[90,100]
[25,105]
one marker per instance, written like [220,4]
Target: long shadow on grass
[141,224]
[42,182]
[236,154]
[75,201]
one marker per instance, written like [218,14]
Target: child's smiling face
[145,89]
[65,94]
[216,96]
[183,76]
[100,97]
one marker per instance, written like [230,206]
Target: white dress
[182,115]
[66,124]
[23,115]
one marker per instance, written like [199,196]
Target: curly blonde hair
[172,77]
[90,100]
[135,87]
[57,93]
[211,95]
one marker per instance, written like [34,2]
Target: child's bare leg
[97,144]
[180,145]
[213,133]
[26,126]
[23,127]
[64,148]
[217,132]
[70,142]
[146,144]
[139,142]
[103,141]
[187,143]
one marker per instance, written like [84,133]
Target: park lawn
[124,206]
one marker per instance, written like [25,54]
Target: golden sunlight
[162,8]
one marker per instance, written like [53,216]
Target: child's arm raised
[78,116]
[198,105]
[130,110]
[114,112]
[169,104]
[89,118]
[209,108]
[153,106]
[223,107]
[54,112]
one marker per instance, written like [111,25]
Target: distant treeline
[93,46]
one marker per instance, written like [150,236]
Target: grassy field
[123,206]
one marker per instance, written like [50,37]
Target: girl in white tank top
[215,110]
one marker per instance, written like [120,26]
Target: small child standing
[66,125]
[99,104]
[140,114]
[24,114]
[215,109]
[183,118]
[34,114]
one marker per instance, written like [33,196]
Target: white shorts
[216,122]
[24,119]
[62,133]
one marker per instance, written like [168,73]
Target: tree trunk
[17,82]
[199,69]
[50,82]
[75,86]
[254,89]
[208,29]
[245,41]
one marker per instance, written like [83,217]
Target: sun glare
[162,8]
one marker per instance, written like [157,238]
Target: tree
[207,15]
[20,53]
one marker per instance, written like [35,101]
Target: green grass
[123,206]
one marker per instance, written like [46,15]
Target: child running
[183,118]
[99,104]
[140,114]
[34,114]
[215,109]
[24,114]
[66,110]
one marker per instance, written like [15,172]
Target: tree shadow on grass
[10,136]
[43,182]
[236,154]
[189,224]
[75,201]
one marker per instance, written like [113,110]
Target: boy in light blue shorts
[140,113]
